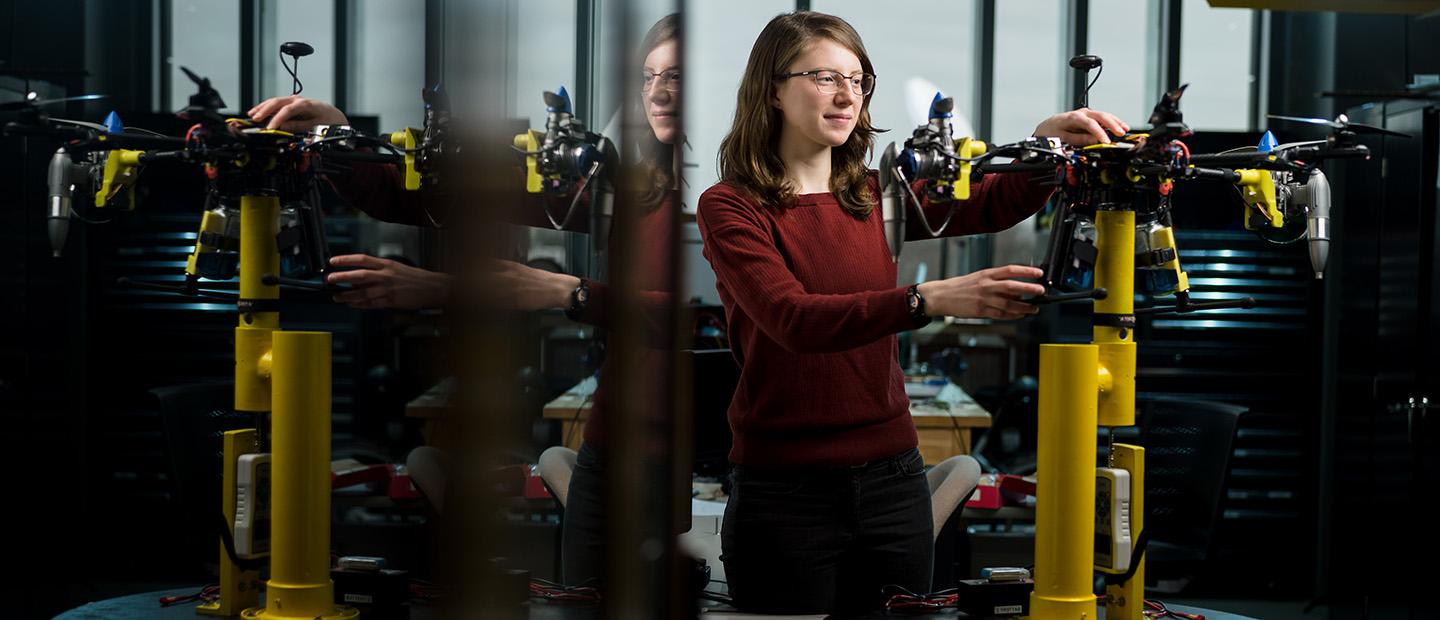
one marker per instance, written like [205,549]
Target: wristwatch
[915,305]
[578,298]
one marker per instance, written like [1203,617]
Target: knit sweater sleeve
[996,203]
[654,310]
[752,268]
[379,191]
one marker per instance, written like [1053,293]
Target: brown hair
[655,170]
[749,155]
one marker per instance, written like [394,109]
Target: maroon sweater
[653,251]
[812,306]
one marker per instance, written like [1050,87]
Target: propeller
[1341,122]
[32,99]
[206,101]
[1167,110]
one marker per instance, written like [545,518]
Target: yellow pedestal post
[239,588]
[259,222]
[1065,493]
[299,585]
[1127,601]
[1115,272]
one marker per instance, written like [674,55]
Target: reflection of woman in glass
[829,501]
[381,283]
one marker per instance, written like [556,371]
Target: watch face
[582,295]
[913,300]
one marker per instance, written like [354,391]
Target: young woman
[829,499]
[654,181]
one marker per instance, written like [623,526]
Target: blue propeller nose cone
[935,104]
[565,95]
[113,124]
[1268,142]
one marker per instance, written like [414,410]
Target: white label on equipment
[1008,609]
[359,598]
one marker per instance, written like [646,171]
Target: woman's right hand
[297,114]
[988,293]
[521,287]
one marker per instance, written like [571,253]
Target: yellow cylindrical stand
[299,585]
[1117,398]
[259,222]
[1115,263]
[1065,494]
[1115,272]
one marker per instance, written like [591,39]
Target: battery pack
[1112,520]
[252,506]
[984,598]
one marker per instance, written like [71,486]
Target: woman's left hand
[1082,127]
[383,283]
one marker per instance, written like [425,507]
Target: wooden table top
[575,404]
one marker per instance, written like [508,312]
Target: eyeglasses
[829,81]
[669,80]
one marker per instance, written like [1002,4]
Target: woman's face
[821,118]
[662,107]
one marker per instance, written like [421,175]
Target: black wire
[372,140]
[1137,554]
[228,539]
[75,213]
[1092,83]
[575,421]
[592,582]
[295,85]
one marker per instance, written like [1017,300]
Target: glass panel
[715,57]
[205,37]
[1215,59]
[547,30]
[1029,85]
[1120,32]
[313,22]
[910,67]
[389,62]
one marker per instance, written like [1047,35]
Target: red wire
[1186,149]
[583,594]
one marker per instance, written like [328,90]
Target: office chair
[1009,445]
[557,465]
[194,418]
[1188,445]
[429,469]
[951,482]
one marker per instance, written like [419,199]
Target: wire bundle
[903,600]
[551,591]
[208,594]
[1157,609]
[425,591]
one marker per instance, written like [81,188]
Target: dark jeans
[827,541]
[582,530]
